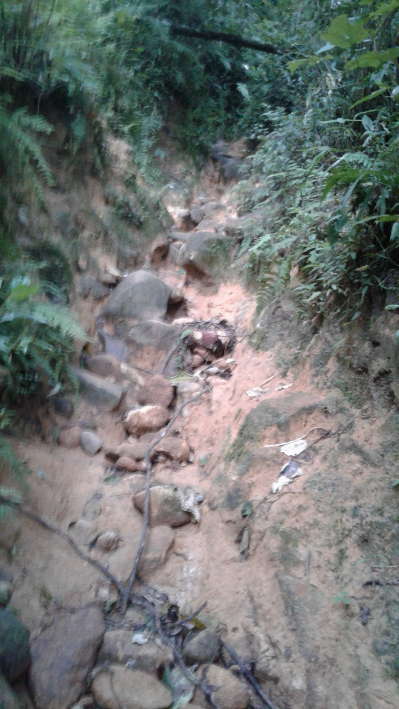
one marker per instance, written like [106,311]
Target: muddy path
[288,578]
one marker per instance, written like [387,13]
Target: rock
[153,333]
[139,296]
[205,254]
[112,345]
[105,365]
[83,531]
[159,544]
[186,390]
[98,391]
[202,648]
[156,390]
[90,442]
[117,647]
[63,655]
[108,541]
[70,437]
[8,700]
[90,286]
[165,505]
[196,361]
[6,589]
[174,447]
[197,214]
[159,250]
[132,466]
[147,418]
[63,406]
[176,296]
[229,692]
[86,702]
[133,448]
[119,687]
[14,646]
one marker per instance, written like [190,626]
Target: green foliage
[36,337]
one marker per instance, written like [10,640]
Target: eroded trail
[282,575]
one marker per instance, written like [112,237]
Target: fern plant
[36,338]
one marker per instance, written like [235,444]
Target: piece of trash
[255,392]
[287,475]
[140,638]
[281,387]
[294,447]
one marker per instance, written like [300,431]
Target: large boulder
[153,333]
[63,655]
[165,506]
[146,419]
[99,391]
[14,646]
[118,687]
[205,254]
[139,296]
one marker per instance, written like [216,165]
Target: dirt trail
[281,574]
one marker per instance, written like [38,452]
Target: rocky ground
[258,584]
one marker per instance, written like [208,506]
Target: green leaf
[344,33]
[372,59]
[395,483]
[307,62]
[395,232]
[370,97]
[244,91]
[391,307]
[386,8]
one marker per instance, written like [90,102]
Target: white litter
[294,448]
[140,638]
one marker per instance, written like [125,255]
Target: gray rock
[205,254]
[63,407]
[140,296]
[90,442]
[63,655]
[118,647]
[14,646]
[6,590]
[120,687]
[105,365]
[90,286]
[153,333]
[8,700]
[202,648]
[98,391]
[165,505]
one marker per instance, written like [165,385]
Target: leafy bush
[36,338]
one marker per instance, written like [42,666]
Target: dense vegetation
[320,102]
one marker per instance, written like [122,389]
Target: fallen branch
[146,510]
[63,535]
[233,39]
[248,676]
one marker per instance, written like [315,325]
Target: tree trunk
[234,39]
